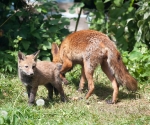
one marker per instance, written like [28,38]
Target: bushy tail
[119,70]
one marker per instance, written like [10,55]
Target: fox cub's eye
[26,66]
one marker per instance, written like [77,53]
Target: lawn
[131,109]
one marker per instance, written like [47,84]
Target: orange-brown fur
[33,73]
[90,48]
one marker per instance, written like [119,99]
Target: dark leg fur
[32,95]
[59,88]
[50,90]
[56,91]
[28,88]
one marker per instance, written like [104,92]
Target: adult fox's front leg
[67,65]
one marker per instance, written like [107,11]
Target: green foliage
[29,28]
[122,21]
[143,17]
[75,6]
[138,62]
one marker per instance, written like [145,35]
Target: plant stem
[78,19]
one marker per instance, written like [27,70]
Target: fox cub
[91,48]
[33,73]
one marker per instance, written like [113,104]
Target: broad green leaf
[106,1]
[44,10]
[99,5]
[54,21]
[148,36]
[134,55]
[125,60]
[45,35]
[118,3]
[25,44]
[119,32]
[130,19]
[146,73]
[140,23]
[46,58]
[130,9]
[75,6]
[36,34]
[32,28]
[146,15]
[44,47]
[39,10]
[42,25]
[139,34]
[47,44]
[53,29]
[117,12]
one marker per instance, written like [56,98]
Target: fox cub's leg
[82,80]
[50,89]
[58,86]
[28,88]
[32,95]
[108,72]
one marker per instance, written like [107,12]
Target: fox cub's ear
[36,54]
[55,49]
[21,56]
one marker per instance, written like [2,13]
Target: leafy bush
[138,62]
[126,22]
[29,28]
[143,17]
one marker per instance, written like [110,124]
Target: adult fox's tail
[119,70]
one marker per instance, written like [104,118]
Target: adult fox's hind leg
[89,76]
[82,80]
[106,69]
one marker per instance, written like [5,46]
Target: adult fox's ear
[21,56]
[36,54]
[55,49]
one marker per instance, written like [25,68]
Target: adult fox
[90,48]
[33,73]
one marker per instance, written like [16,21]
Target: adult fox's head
[27,64]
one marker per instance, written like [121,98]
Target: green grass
[132,109]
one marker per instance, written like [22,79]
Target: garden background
[35,26]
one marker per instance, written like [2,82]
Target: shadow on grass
[105,91]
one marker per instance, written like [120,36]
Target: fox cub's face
[27,64]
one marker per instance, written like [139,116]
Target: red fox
[90,48]
[33,73]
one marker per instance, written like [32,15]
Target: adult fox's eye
[33,67]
